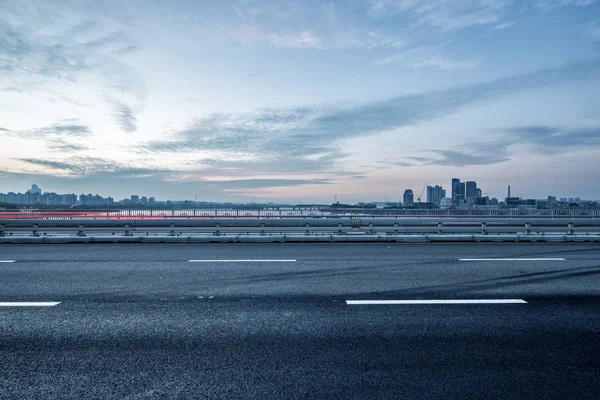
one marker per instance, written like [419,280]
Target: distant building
[446,203]
[435,194]
[471,190]
[35,189]
[462,195]
[455,191]
[135,199]
[408,198]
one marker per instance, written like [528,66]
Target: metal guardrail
[300,214]
[338,226]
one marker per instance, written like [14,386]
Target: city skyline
[297,102]
[435,196]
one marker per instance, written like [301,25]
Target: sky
[300,101]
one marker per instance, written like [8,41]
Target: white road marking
[29,304]
[7,261]
[469,301]
[242,260]
[512,259]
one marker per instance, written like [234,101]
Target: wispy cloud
[125,116]
[504,25]
[309,137]
[446,15]
[549,5]
[554,139]
[460,159]
[427,57]
[304,25]
[4,129]
[62,129]
[91,166]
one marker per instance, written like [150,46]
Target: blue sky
[298,101]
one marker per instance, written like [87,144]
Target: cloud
[446,15]
[427,57]
[262,183]
[305,25]
[62,129]
[125,116]
[549,5]
[308,138]
[553,139]
[48,42]
[63,146]
[91,166]
[4,129]
[504,25]
[461,159]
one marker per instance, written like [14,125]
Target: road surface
[429,321]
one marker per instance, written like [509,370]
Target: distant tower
[508,191]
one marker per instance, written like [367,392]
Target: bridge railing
[292,213]
[337,225]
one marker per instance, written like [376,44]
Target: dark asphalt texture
[140,321]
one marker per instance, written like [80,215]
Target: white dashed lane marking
[29,303]
[206,261]
[467,301]
[511,259]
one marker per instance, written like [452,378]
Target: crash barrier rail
[337,226]
[292,213]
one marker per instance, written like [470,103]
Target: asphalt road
[142,321]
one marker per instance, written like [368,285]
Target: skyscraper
[408,198]
[471,190]
[435,194]
[455,191]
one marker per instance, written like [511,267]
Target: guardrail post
[35,230]
[484,228]
[80,231]
[570,232]
[371,231]
[307,226]
[217,230]
[395,228]
[2,227]
[440,227]
[172,233]
[527,228]
[339,228]
[127,230]
[262,231]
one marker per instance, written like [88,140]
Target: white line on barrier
[29,303]
[511,259]
[469,301]
[7,261]
[242,260]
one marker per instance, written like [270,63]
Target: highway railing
[332,225]
[291,213]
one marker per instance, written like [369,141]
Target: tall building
[135,199]
[408,198]
[435,194]
[35,189]
[471,190]
[455,191]
[463,191]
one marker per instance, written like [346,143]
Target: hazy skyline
[298,101]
